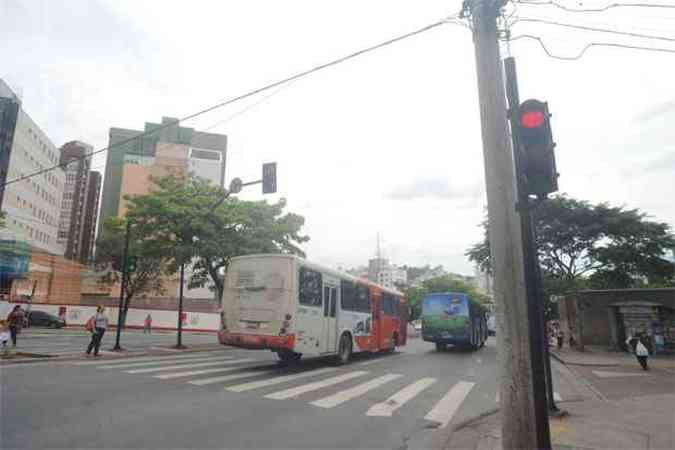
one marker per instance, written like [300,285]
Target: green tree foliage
[2,220]
[151,257]
[599,246]
[446,283]
[196,226]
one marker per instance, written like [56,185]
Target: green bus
[452,318]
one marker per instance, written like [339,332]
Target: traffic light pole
[520,429]
[179,339]
[531,261]
[533,271]
[123,288]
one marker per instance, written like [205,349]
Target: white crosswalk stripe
[124,360]
[447,406]
[387,407]
[185,366]
[278,380]
[296,391]
[348,394]
[128,365]
[169,376]
[235,376]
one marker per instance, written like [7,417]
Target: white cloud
[388,142]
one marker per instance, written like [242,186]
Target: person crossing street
[100,324]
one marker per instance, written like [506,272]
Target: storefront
[15,256]
[607,317]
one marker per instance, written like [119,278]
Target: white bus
[293,307]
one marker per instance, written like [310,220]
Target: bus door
[376,336]
[330,299]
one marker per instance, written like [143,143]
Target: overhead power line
[599,30]
[600,9]
[588,46]
[450,19]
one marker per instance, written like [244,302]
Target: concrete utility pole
[516,394]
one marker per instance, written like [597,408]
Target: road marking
[348,394]
[236,376]
[128,365]
[607,374]
[446,407]
[184,366]
[278,380]
[387,407]
[125,360]
[294,392]
[168,376]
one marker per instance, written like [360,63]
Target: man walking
[100,325]
[15,320]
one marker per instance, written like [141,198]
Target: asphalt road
[234,398]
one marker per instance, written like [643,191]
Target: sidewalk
[597,356]
[633,423]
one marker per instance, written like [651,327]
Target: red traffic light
[532,119]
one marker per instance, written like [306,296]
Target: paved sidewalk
[596,356]
[633,423]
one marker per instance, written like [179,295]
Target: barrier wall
[76,315]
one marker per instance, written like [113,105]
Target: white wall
[78,315]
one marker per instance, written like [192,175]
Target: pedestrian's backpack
[89,326]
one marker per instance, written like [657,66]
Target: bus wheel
[288,356]
[345,351]
[440,347]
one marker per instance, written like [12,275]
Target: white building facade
[33,206]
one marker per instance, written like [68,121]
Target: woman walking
[641,352]
[147,324]
[100,325]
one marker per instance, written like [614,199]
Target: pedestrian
[641,352]
[4,335]
[561,339]
[100,324]
[147,324]
[15,320]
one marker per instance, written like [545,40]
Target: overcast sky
[389,142]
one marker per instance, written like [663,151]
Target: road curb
[471,420]
[569,363]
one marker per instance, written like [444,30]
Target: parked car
[44,319]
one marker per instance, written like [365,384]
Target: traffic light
[269,178]
[132,262]
[534,132]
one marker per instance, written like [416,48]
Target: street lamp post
[179,341]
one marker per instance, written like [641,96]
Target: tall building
[133,158]
[382,272]
[71,223]
[9,109]
[32,206]
[89,218]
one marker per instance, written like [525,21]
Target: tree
[151,258]
[445,283]
[2,220]
[581,244]
[199,226]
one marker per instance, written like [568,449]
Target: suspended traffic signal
[534,132]
[269,178]
[132,264]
